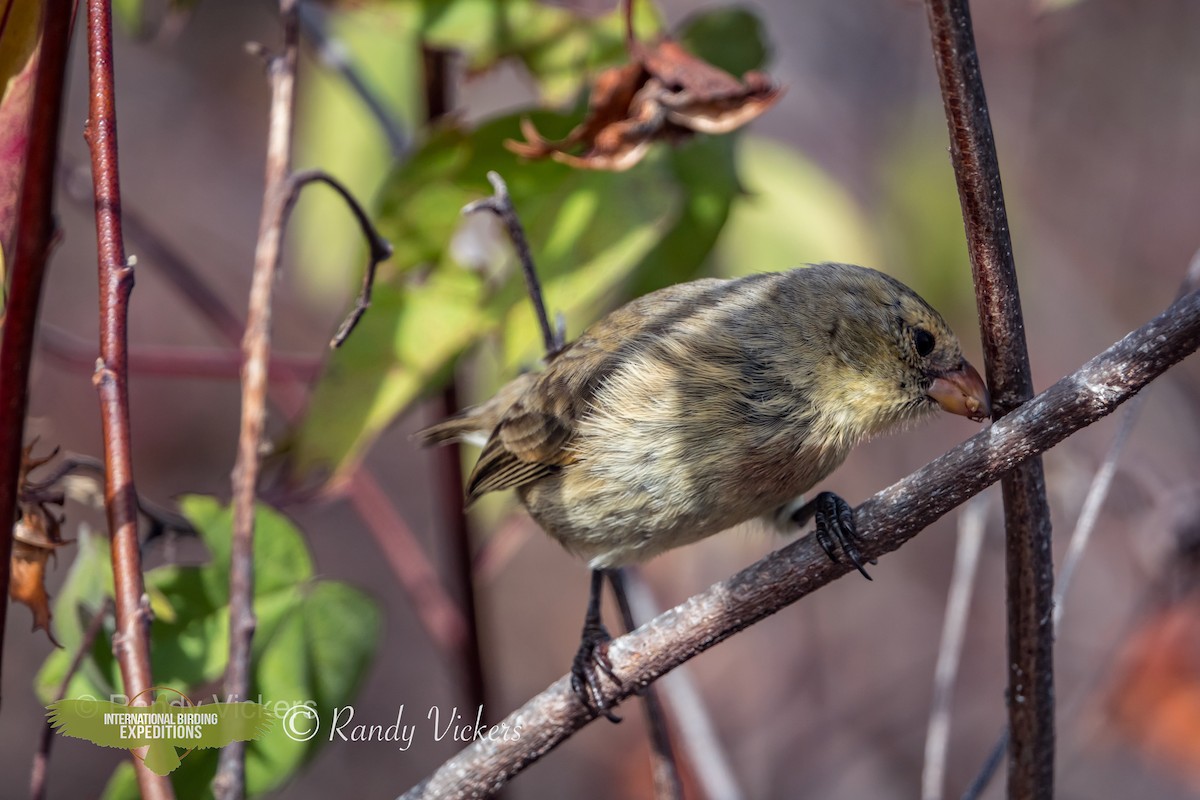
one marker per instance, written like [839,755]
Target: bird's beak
[961,391]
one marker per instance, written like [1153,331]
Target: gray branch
[886,522]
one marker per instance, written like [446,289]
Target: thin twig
[1030,581]
[885,522]
[972,524]
[41,759]
[172,362]
[1084,525]
[438,92]
[500,204]
[459,573]
[630,34]
[314,24]
[697,736]
[1090,512]
[72,464]
[990,766]
[668,785]
[131,642]
[154,249]
[35,232]
[380,249]
[441,617]
[230,780]
[1080,537]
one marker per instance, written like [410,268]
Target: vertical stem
[1030,582]
[668,784]
[229,783]
[450,490]
[131,640]
[34,237]
[38,780]
[438,103]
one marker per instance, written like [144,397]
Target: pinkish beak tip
[961,391]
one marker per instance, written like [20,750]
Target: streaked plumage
[705,404]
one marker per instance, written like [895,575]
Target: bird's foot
[591,660]
[834,523]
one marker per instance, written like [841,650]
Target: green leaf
[588,230]
[122,784]
[83,594]
[191,781]
[336,613]
[594,231]
[129,14]
[317,656]
[405,344]
[793,214]
[193,648]
[705,168]
[313,642]
[922,223]
[559,48]
[730,38]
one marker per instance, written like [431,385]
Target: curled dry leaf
[664,94]
[36,536]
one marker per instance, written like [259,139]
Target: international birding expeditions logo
[172,722]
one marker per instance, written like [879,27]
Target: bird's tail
[462,427]
[475,424]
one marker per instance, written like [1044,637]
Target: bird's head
[891,357]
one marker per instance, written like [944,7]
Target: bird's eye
[923,340]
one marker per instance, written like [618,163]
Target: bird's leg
[835,522]
[592,657]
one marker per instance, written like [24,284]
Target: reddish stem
[131,642]
[174,362]
[34,238]
[460,576]
[1030,586]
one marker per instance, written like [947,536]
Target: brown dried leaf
[703,98]
[665,93]
[36,536]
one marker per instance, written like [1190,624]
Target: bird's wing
[528,445]
[533,438]
[84,719]
[238,722]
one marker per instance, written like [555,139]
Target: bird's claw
[835,523]
[591,660]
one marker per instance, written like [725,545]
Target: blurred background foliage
[1095,105]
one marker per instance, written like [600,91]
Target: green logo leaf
[162,728]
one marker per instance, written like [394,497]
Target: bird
[706,404]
